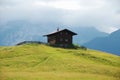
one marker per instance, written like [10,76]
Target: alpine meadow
[43,62]
[59,39]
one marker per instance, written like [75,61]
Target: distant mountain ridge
[86,34]
[17,31]
[109,44]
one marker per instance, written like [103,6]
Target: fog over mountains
[17,31]
[86,34]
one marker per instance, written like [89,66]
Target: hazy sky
[102,14]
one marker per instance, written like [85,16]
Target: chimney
[58,29]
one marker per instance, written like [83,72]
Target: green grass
[41,62]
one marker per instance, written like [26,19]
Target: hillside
[41,62]
[109,44]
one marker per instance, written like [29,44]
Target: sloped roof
[73,33]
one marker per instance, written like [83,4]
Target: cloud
[59,4]
[102,14]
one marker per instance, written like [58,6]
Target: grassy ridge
[41,62]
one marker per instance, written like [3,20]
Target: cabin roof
[73,33]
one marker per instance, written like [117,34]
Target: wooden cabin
[62,38]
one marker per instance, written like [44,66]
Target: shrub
[83,47]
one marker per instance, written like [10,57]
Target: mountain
[42,62]
[86,34]
[17,31]
[109,44]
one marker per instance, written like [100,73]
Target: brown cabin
[62,38]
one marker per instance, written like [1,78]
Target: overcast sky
[102,14]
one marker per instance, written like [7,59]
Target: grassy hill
[41,62]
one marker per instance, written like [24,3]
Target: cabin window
[61,39]
[66,40]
